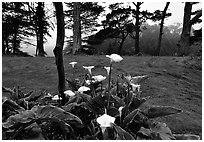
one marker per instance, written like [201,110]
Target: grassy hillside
[173,81]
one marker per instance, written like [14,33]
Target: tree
[118,20]
[137,26]
[161,28]
[184,43]
[87,15]
[58,49]
[15,26]
[76,28]
[20,21]
[40,26]
[140,18]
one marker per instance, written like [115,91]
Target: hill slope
[173,81]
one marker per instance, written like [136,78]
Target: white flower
[107,69]
[56,98]
[105,121]
[137,79]
[99,78]
[128,78]
[135,86]
[83,88]
[88,82]
[69,93]
[115,57]
[88,68]
[73,64]
[120,110]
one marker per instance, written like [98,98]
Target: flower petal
[73,64]
[105,120]
[115,57]
[83,88]
[99,78]
[107,69]
[69,93]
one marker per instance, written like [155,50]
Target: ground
[173,81]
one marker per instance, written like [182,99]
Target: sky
[176,8]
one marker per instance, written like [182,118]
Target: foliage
[171,35]
[89,14]
[25,114]
[20,22]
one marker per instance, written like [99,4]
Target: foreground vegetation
[171,81]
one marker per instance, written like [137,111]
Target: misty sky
[176,8]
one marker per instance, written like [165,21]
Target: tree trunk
[161,28]
[184,42]
[137,29]
[76,28]
[40,26]
[3,44]
[15,38]
[58,49]
[121,45]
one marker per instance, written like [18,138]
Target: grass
[173,81]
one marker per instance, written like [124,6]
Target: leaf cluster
[24,114]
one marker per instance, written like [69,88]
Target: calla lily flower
[88,82]
[107,69]
[73,64]
[128,78]
[135,86]
[105,121]
[88,68]
[56,98]
[69,93]
[120,110]
[82,89]
[115,57]
[99,78]
[137,79]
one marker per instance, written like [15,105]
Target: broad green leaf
[144,132]
[109,134]
[9,108]
[130,117]
[69,107]
[159,111]
[186,137]
[73,85]
[118,102]
[137,102]
[97,104]
[23,117]
[34,132]
[121,133]
[128,98]
[161,130]
[112,111]
[54,112]
[13,106]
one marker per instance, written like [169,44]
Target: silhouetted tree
[184,43]
[15,26]
[58,49]
[87,13]
[40,25]
[118,21]
[76,28]
[161,28]
[141,16]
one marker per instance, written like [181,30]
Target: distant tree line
[125,24]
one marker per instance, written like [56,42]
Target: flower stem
[109,81]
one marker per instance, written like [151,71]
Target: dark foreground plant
[92,111]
